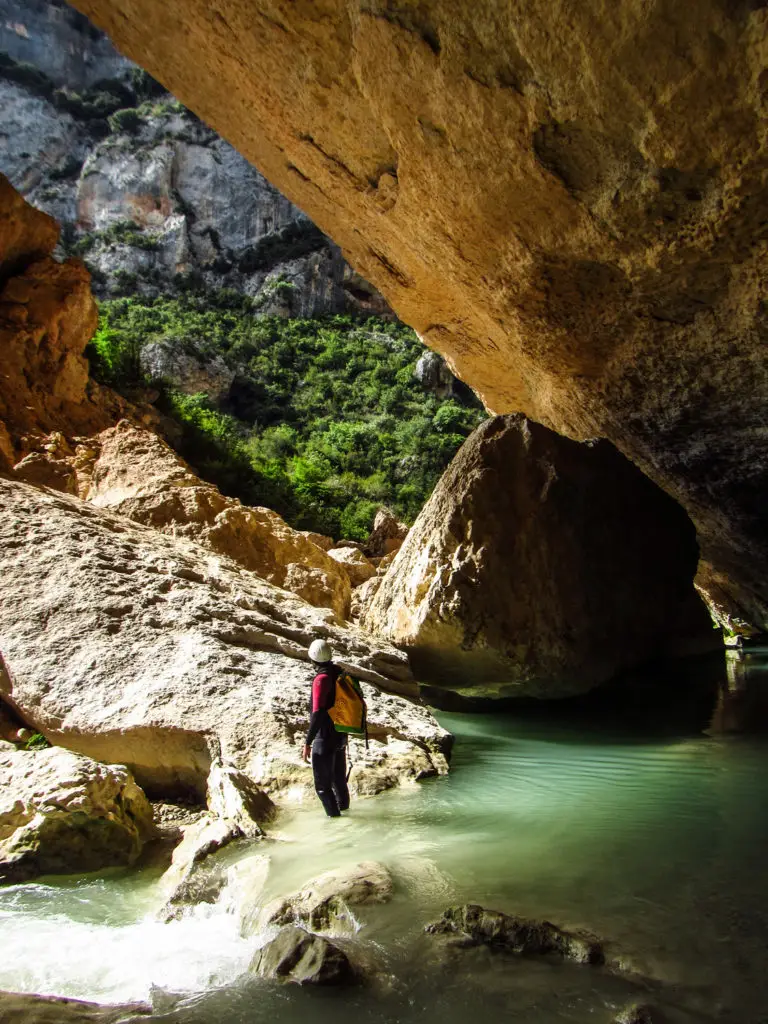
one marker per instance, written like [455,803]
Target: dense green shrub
[126,120]
[325,421]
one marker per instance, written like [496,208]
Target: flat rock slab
[478,926]
[297,956]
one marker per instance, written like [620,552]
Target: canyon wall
[569,203]
[151,198]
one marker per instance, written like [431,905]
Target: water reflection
[742,699]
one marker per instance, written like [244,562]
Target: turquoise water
[652,834]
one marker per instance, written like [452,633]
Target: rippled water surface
[654,837]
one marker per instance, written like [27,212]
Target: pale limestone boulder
[326,543]
[149,650]
[362,596]
[387,534]
[62,813]
[358,567]
[187,370]
[296,956]
[324,904]
[133,471]
[235,798]
[540,567]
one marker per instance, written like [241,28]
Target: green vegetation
[125,232]
[324,422]
[128,119]
[36,742]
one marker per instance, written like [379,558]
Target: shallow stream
[652,835]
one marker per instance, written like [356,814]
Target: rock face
[134,472]
[148,194]
[47,317]
[569,204]
[356,565]
[61,813]
[151,651]
[517,935]
[539,566]
[297,956]
[26,234]
[323,904]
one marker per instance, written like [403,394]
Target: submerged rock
[20,1008]
[62,813]
[148,650]
[540,567]
[297,956]
[479,926]
[323,904]
[640,1013]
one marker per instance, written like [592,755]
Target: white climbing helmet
[319,651]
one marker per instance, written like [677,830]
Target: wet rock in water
[640,1013]
[236,799]
[478,926]
[540,567]
[357,566]
[62,813]
[296,955]
[21,1008]
[323,904]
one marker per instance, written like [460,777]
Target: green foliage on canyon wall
[324,421]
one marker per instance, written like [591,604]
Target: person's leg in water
[340,787]
[323,771]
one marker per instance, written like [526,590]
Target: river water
[650,830]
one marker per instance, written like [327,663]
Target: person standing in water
[324,744]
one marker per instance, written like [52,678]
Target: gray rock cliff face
[147,195]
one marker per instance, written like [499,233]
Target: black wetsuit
[329,748]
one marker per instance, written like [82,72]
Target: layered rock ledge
[150,651]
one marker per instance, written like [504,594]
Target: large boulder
[297,956]
[387,534]
[324,903]
[539,567]
[152,651]
[61,813]
[567,201]
[133,471]
[357,566]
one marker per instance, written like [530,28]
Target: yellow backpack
[348,712]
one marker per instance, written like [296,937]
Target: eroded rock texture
[152,651]
[133,471]
[540,566]
[61,813]
[569,203]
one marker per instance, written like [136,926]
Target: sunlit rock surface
[61,813]
[569,203]
[134,472]
[324,903]
[151,651]
[20,1008]
[540,566]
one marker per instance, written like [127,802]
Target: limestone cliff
[150,197]
[539,567]
[569,202]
